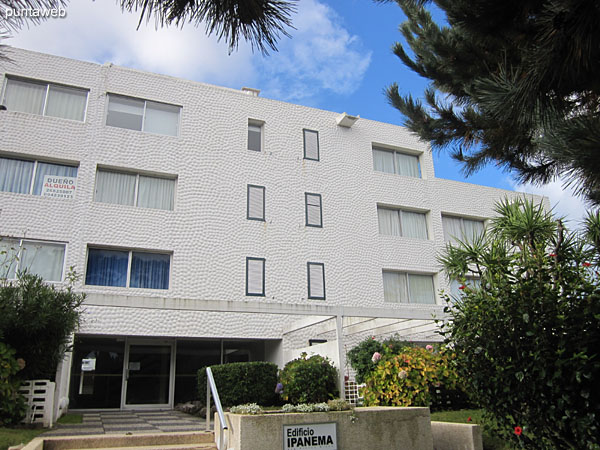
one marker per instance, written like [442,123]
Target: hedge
[244,382]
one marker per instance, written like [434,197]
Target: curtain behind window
[414,225]
[472,229]
[407,165]
[161,118]
[125,112]
[24,96]
[45,260]
[394,287]
[452,228]
[67,103]
[15,175]
[107,267]
[383,161]
[9,249]
[44,169]
[421,289]
[389,222]
[158,193]
[114,187]
[150,270]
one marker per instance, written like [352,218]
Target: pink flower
[518,431]
[469,419]
[429,347]
[376,357]
[461,287]
[553,255]
[21,363]
[402,374]
[586,264]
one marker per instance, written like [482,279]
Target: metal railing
[212,387]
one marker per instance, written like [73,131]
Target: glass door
[148,374]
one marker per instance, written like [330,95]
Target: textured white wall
[207,232]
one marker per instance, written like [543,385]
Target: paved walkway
[130,422]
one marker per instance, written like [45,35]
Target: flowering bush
[527,339]
[12,404]
[361,357]
[248,408]
[337,404]
[376,357]
[305,407]
[414,377]
[309,380]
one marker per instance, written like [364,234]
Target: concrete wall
[368,428]
[456,436]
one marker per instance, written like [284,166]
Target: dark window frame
[264,189]
[250,258]
[308,264]
[304,131]
[306,195]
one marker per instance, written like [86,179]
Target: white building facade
[211,225]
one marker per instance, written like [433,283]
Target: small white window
[38,97]
[45,259]
[135,190]
[256,203]
[459,228]
[400,287]
[255,277]
[254,136]
[143,115]
[311,145]
[392,161]
[316,281]
[314,211]
[397,222]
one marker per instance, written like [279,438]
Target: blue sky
[339,59]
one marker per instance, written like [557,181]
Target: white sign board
[88,364]
[321,436]
[59,187]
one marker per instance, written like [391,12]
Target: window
[311,145]
[46,99]
[399,287]
[391,161]
[254,136]
[29,177]
[397,222]
[313,210]
[135,190]
[255,276]
[316,281]
[45,259]
[127,268]
[142,115]
[256,203]
[459,228]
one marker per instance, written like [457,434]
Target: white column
[341,355]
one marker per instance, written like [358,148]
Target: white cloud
[321,56]
[562,200]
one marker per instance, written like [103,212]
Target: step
[190,439]
[164,447]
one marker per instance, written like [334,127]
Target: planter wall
[374,427]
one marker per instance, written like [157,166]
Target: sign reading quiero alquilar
[319,436]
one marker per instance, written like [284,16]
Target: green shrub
[12,404]
[37,319]
[309,380]
[360,357]
[528,338]
[242,383]
[411,378]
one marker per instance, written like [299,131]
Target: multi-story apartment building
[212,225]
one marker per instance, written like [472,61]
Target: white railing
[39,396]
[211,387]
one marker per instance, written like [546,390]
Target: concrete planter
[365,428]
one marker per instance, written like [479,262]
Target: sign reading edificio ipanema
[319,436]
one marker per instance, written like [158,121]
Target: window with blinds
[256,203]
[46,99]
[311,145]
[398,222]
[28,177]
[400,287]
[143,115]
[255,277]
[393,161]
[255,136]
[316,281]
[126,188]
[45,259]
[461,229]
[313,210]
